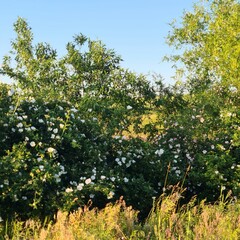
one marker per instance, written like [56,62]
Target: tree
[210,43]
[206,126]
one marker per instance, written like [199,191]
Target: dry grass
[166,221]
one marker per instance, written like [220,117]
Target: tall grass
[167,220]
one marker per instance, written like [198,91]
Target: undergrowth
[167,220]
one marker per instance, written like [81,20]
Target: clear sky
[135,29]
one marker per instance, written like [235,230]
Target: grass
[167,220]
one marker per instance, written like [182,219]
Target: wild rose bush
[200,142]
[53,157]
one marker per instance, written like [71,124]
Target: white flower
[33,128]
[51,150]
[125,180]
[52,136]
[74,110]
[129,107]
[110,195]
[11,92]
[102,177]
[80,186]
[201,120]
[112,179]
[55,130]
[1,220]
[40,120]
[6,182]
[68,190]
[20,125]
[41,167]
[159,152]
[204,151]
[32,144]
[20,130]
[88,181]
[128,164]
[177,172]
[39,159]
[91,195]
[61,125]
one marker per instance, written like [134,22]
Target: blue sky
[135,29]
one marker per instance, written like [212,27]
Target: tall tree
[209,40]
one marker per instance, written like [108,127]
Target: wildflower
[61,125]
[110,195]
[41,167]
[11,92]
[204,151]
[20,125]
[112,179]
[80,186]
[40,120]
[177,172]
[69,190]
[129,107]
[102,177]
[159,152]
[91,195]
[33,128]
[125,180]
[39,159]
[88,181]
[123,159]
[32,144]
[128,164]
[74,110]
[201,120]
[51,150]
[6,182]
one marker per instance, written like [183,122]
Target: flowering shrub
[54,156]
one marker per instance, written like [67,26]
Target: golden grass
[117,221]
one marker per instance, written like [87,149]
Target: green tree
[209,40]
[205,127]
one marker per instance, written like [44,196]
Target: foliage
[117,221]
[72,128]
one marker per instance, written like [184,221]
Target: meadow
[167,220]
